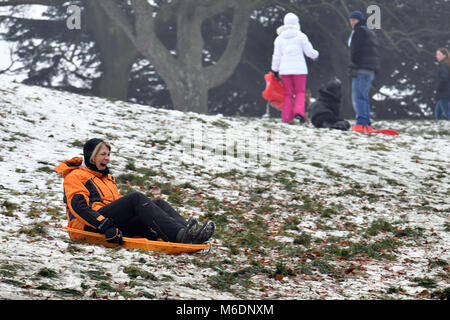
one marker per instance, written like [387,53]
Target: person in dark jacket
[324,113]
[94,203]
[364,65]
[443,87]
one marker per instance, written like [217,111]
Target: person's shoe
[341,125]
[300,118]
[205,233]
[363,129]
[189,232]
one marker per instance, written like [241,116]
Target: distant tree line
[210,56]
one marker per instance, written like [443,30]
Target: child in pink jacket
[290,48]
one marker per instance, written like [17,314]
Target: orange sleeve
[77,196]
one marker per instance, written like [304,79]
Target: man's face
[353,22]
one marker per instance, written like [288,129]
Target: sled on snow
[389,132]
[274,91]
[368,129]
[137,243]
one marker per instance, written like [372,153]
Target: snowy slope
[301,213]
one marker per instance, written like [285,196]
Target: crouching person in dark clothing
[93,203]
[324,113]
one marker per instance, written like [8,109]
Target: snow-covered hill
[301,213]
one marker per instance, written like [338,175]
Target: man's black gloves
[111,232]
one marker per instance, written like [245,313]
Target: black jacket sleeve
[85,212]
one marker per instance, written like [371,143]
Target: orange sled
[138,243]
[274,92]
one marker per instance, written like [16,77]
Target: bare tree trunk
[117,53]
[187,79]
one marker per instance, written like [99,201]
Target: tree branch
[147,40]
[112,9]
[4,3]
[11,55]
[226,65]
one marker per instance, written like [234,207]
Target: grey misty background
[211,56]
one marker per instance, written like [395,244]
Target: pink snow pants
[294,89]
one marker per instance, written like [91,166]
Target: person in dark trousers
[93,203]
[364,65]
[324,113]
[442,110]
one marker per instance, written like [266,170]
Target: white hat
[291,19]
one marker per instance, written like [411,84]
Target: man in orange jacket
[93,203]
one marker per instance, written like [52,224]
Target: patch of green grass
[47,273]
[97,274]
[287,179]
[282,269]
[130,165]
[356,190]
[242,277]
[126,189]
[221,124]
[73,249]
[316,164]
[69,292]
[437,262]
[304,239]
[213,205]
[415,233]
[8,208]
[188,185]
[175,196]
[323,266]
[265,208]
[148,172]
[305,268]
[146,294]
[63,291]
[395,290]
[425,282]
[77,144]
[44,286]
[133,179]
[45,169]
[134,272]
[379,225]
[442,294]
[375,250]
[378,147]
[332,173]
[252,239]
[447,226]
[314,206]
[7,270]
[393,182]
[105,286]
[36,229]
[291,223]
[233,173]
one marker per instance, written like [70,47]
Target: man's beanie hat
[356,15]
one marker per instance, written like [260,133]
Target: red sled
[369,129]
[274,92]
